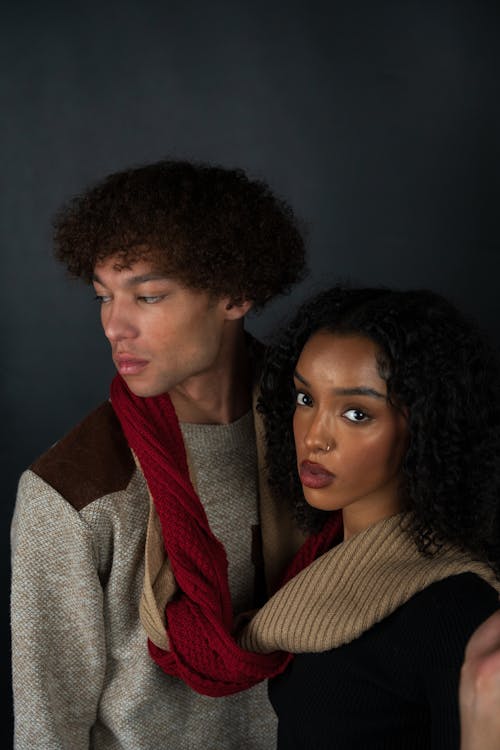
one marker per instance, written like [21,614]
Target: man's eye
[303,399]
[356,415]
[101,298]
[150,300]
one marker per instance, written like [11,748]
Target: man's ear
[236,310]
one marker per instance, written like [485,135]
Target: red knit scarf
[199,620]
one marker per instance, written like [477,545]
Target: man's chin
[144,390]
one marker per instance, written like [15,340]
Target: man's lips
[314,475]
[128,365]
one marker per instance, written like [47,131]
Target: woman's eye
[303,399]
[101,298]
[356,415]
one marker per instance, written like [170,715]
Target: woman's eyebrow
[299,377]
[361,390]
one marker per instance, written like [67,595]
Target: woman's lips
[129,365]
[314,475]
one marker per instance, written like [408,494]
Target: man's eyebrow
[136,280]
[361,390]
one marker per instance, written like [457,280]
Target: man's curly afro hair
[209,227]
[441,371]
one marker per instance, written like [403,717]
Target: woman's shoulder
[457,589]
[450,608]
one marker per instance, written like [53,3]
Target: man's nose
[117,322]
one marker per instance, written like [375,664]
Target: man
[177,253]
[480,688]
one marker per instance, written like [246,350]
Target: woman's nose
[319,436]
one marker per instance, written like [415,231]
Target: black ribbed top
[395,687]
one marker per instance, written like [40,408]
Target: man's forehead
[132,272]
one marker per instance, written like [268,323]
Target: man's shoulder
[91,461]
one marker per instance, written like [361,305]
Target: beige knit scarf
[351,588]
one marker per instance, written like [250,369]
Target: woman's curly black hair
[209,227]
[439,367]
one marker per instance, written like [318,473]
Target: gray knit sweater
[82,674]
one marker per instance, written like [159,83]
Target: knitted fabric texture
[199,620]
[352,587]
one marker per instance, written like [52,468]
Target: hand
[480,688]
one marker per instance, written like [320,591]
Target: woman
[394,404]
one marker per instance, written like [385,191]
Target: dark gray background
[378,121]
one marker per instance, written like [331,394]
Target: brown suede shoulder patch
[91,461]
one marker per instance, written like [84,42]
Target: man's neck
[224,394]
